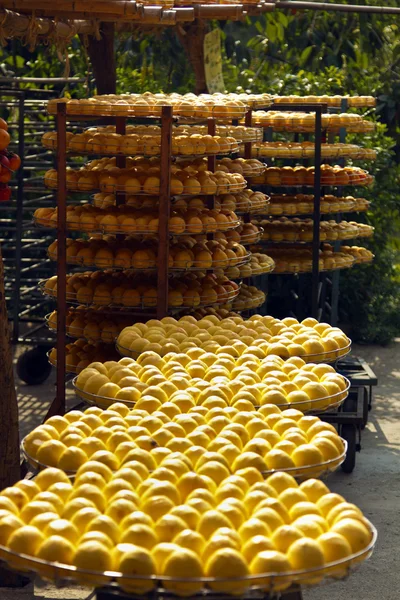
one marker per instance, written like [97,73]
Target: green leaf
[271,32]
[305,55]
[282,18]
[17,61]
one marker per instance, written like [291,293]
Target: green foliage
[369,294]
[145,66]
[288,52]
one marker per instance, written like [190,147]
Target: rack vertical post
[19,214]
[317,212]
[58,405]
[164,209]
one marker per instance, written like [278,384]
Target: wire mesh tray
[319,406]
[251,238]
[70,369]
[136,188]
[364,261]
[102,401]
[317,470]
[259,210]
[278,209]
[351,101]
[106,336]
[257,273]
[141,305]
[102,264]
[242,134]
[241,307]
[305,122]
[307,236]
[217,265]
[286,150]
[365,231]
[253,170]
[303,268]
[329,357]
[192,265]
[267,582]
[35,464]
[305,203]
[279,178]
[102,106]
[133,145]
[131,228]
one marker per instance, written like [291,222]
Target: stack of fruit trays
[290,233]
[128,205]
[191,471]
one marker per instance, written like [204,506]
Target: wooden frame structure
[159,11]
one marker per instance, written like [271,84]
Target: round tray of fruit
[189,535]
[268,440]
[257,337]
[308,387]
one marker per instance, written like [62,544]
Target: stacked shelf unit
[166,228]
[290,236]
[24,246]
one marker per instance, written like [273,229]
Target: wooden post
[191,37]
[10,471]
[102,57]
[9,434]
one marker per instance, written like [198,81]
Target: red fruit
[4,139]
[5,193]
[4,162]
[5,175]
[15,162]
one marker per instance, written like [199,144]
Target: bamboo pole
[326,6]
[120,11]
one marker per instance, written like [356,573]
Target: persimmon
[5,175]
[4,162]
[15,162]
[4,139]
[3,124]
[5,193]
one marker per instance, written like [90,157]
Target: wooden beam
[102,57]
[191,37]
[126,11]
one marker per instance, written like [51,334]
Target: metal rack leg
[58,405]
[317,213]
[19,215]
[164,210]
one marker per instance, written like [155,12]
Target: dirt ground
[374,486]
